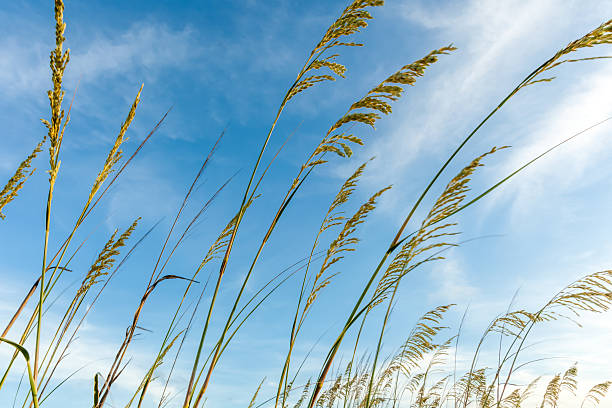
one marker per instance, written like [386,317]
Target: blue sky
[226,65]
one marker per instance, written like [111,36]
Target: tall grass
[418,374]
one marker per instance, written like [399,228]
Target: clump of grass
[416,375]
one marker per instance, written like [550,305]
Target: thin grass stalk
[116,370]
[455,355]
[218,245]
[209,256]
[523,167]
[352,361]
[294,330]
[61,383]
[180,211]
[186,332]
[282,384]
[19,386]
[499,349]
[149,376]
[178,243]
[473,365]
[334,349]
[58,336]
[379,344]
[20,308]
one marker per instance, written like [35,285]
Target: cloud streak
[147,47]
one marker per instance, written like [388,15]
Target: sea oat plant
[418,374]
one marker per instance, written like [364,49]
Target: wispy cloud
[581,163]
[496,50]
[148,47]
[451,282]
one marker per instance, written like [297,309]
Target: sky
[224,66]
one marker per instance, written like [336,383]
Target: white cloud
[147,46]
[451,282]
[486,35]
[150,46]
[579,163]
[22,68]
[498,44]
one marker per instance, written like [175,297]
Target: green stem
[42,275]
[379,345]
[31,377]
